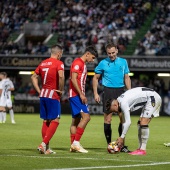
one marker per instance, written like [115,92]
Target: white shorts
[152,107]
[9,103]
[3,101]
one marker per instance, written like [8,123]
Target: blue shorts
[77,106]
[49,108]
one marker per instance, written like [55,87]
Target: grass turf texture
[18,144]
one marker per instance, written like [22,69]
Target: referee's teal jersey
[113,72]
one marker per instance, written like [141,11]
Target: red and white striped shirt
[80,68]
[48,71]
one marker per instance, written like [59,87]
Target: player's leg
[79,110]
[107,127]
[139,134]
[150,110]
[49,110]
[143,136]
[3,113]
[82,125]
[144,132]
[3,103]
[120,127]
[50,133]
[11,111]
[44,128]
[108,93]
[0,116]
[73,128]
[79,133]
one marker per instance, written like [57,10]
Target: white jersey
[4,86]
[136,98]
[11,85]
[9,101]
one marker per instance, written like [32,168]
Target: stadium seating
[77,25]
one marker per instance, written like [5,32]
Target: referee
[113,71]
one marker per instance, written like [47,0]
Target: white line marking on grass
[49,157]
[119,166]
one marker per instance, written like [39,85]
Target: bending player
[131,100]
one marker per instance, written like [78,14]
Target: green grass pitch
[18,146]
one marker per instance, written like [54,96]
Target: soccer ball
[113,147]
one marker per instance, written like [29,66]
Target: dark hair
[92,50]
[110,45]
[4,74]
[108,104]
[56,48]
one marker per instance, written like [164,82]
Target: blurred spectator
[81,23]
[157,39]
[28,48]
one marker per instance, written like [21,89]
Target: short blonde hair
[110,45]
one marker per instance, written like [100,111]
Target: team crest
[62,66]
[153,104]
[76,67]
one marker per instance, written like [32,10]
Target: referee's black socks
[120,129]
[108,132]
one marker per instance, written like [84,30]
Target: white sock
[3,116]
[0,117]
[76,142]
[42,143]
[11,112]
[144,136]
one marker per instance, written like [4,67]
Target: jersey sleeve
[99,68]
[76,66]
[127,120]
[37,70]
[126,67]
[60,65]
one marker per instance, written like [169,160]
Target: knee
[108,120]
[87,118]
[55,120]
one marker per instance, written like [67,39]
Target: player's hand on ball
[120,142]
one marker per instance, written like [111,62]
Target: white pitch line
[49,157]
[118,166]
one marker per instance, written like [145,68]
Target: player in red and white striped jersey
[51,72]
[77,98]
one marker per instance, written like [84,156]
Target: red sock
[45,126]
[79,133]
[72,137]
[50,131]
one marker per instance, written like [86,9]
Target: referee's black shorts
[111,93]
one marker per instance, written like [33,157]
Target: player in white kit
[5,88]
[9,101]
[131,100]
